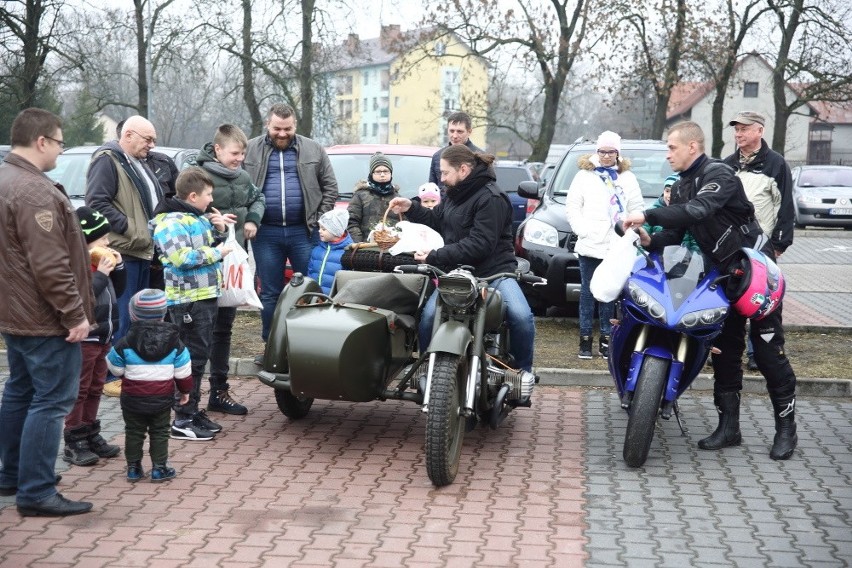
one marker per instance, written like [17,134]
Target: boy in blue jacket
[325,258]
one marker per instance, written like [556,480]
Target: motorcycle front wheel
[644,409]
[291,405]
[445,425]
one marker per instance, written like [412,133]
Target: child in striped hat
[152,362]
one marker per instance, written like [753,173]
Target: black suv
[509,176]
[545,238]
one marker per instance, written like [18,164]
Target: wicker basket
[384,238]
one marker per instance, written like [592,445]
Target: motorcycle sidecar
[348,346]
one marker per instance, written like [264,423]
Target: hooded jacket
[186,240]
[768,184]
[44,261]
[107,289]
[114,187]
[587,205]
[326,261]
[475,220]
[233,192]
[152,362]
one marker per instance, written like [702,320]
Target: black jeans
[220,350]
[156,425]
[767,337]
[195,320]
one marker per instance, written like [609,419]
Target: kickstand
[683,430]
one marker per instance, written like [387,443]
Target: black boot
[77,449]
[98,445]
[785,428]
[728,431]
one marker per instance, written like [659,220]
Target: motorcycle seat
[399,293]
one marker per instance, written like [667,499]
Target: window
[364,130]
[366,77]
[365,104]
[375,129]
[396,102]
[396,128]
[750,90]
[385,79]
[344,85]
[375,103]
[347,109]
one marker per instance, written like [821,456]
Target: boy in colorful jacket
[191,254]
[326,256]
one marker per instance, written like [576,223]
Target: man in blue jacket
[298,183]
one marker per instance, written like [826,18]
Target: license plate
[840,211]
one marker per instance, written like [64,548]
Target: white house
[818,132]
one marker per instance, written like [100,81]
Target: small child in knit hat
[371,197]
[667,187]
[429,194]
[326,256]
[152,362]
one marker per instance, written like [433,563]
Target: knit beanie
[93,223]
[379,159]
[429,191]
[609,140]
[148,304]
[671,180]
[335,221]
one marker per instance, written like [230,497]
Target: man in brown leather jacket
[45,312]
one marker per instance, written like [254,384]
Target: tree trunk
[35,51]
[248,74]
[306,83]
[779,76]
[141,58]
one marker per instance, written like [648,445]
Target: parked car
[351,163]
[822,196]
[73,163]
[4,149]
[509,176]
[545,238]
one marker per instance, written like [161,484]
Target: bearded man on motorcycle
[475,220]
[710,201]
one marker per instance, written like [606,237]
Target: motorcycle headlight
[644,300]
[702,318]
[538,233]
[457,289]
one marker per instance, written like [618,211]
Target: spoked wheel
[445,426]
[292,406]
[644,409]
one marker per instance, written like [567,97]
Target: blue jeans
[272,246]
[44,378]
[588,265]
[519,316]
[138,278]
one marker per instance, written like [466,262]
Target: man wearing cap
[298,183]
[768,185]
[45,310]
[459,128]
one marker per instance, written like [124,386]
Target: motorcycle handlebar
[429,269]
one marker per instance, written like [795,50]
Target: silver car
[822,196]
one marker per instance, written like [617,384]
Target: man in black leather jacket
[710,201]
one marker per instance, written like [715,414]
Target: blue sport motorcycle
[670,310]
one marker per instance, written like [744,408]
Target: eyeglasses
[60,142]
[148,139]
[607,152]
[381,172]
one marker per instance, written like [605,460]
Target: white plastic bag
[611,275]
[414,237]
[237,276]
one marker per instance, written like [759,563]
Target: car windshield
[828,177]
[70,171]
[649,165]
[508,177]
[409,172]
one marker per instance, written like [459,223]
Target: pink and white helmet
[757,285]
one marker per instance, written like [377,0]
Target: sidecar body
[346,346]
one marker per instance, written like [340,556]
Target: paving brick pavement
[347,487]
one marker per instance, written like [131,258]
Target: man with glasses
[123,188]
[45,312]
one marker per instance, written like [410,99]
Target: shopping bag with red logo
[237,276]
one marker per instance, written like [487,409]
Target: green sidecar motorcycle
[359,344]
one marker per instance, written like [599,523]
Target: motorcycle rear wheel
[644,409]
[445,426]
[291,405]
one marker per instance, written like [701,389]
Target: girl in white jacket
[601,193]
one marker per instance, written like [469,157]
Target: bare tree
[813,56]
[546,35]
